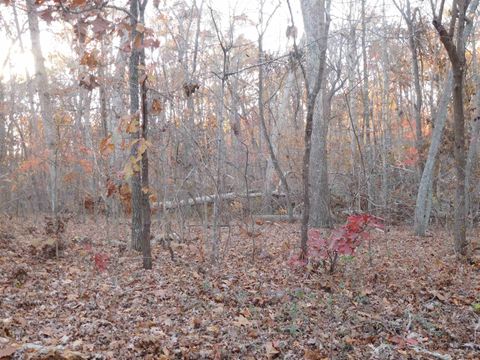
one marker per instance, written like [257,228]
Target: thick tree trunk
[134,113]
[46,106]
[320,191]
[315,19]
[317,26]
[146,210]
[460,225]
[424,194]
[474,134]
[455,46]
[3,148]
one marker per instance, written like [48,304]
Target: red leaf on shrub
[100,261]
[295,260]
[342,241]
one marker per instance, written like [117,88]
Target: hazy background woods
[226,99]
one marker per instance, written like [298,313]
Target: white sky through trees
[13,61]
[57,43]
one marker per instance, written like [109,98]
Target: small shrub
[342,241]
[99,260]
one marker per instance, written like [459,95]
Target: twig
[432,353]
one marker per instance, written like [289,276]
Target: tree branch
[447,42]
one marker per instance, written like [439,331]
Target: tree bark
[454,44]
[310,7]
[409,18]
[316,23]
[366,112]
[474,133]
[133,80]
[46,106]
[146,211]
[424,194]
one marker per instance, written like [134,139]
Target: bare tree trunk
[474,133]
[366,113]
[272,163]
[320,192]
[424,195]
[352,63]
[3,148]
[33,129]
[385,121]
[409,18]
[103,96]
[316,22]
[454,44]
[226,46]
[46,106]
[146,211]
[133,80]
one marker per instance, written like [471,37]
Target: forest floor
[406,299]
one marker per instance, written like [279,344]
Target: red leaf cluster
[342,241]
[100,260]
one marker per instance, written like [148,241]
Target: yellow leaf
[133,126]
[131,167]
[143,145]
[106,146]
[213,329]
[135,164]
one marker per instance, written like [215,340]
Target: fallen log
[275,218]
[208,199]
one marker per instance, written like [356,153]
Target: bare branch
[447,41]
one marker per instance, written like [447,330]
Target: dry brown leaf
[7,351]
[241,321]
[271,351]
[313,355]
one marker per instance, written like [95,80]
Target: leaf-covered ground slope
[409,299]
